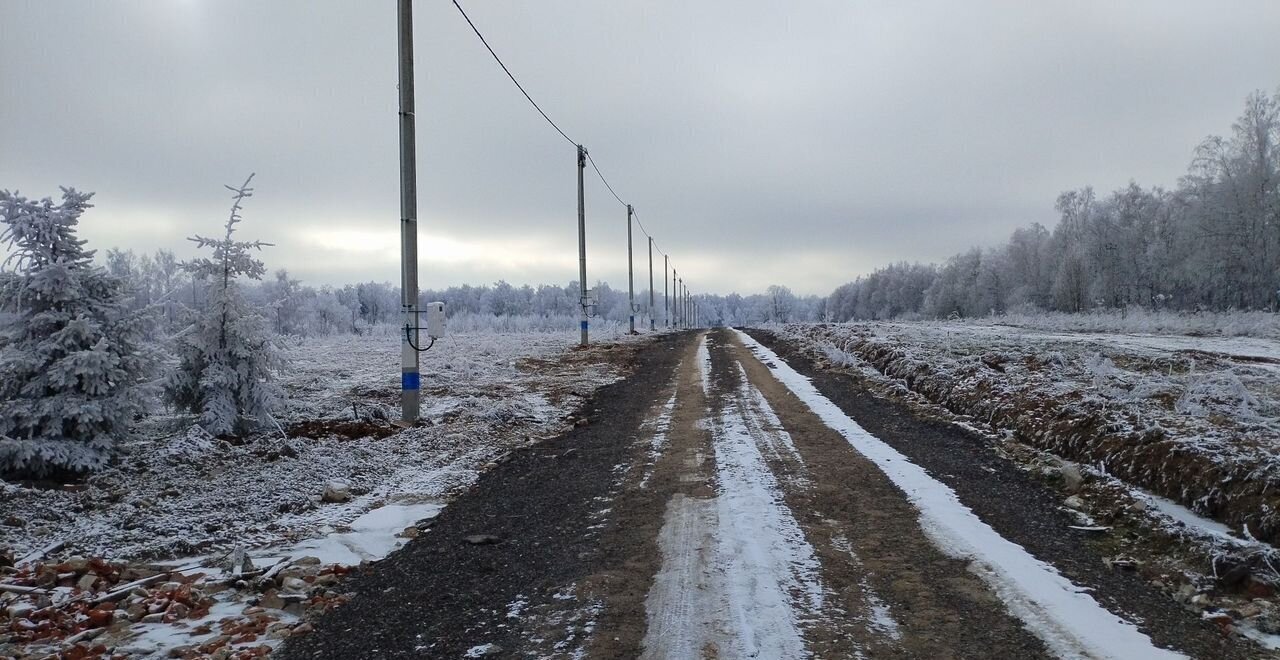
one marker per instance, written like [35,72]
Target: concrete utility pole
[666,295]
[652,325]
[409,377]
[631,278]
[680,303]
[582,245]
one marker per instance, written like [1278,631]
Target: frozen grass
[1145,321]
[1196,420]
[176,491]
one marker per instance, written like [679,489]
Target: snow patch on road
[879,616]
[761,417]
[769,562]
[738,576]
[704,364]
[1069,621]
[659,439]
[684,607]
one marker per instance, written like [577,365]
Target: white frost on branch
[228,361]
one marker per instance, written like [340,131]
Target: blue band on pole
[409,380]
[584,325]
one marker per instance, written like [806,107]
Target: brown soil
[343,429]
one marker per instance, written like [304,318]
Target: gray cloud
[801,143]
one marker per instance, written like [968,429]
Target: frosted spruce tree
[228,358]
[73,364]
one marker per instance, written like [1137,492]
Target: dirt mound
[342,428]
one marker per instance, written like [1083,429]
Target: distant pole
[631,278]
[666,295]
[680,303]
[652,324]
[582,245]
[409,376]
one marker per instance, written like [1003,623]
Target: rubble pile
[77,607]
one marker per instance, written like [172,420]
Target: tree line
[1210,243]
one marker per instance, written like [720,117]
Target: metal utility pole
[409,376]
[582,244]
[652,325]
[631,279]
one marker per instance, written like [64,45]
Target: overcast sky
[801,143]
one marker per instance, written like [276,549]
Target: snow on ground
[659,427]
[1137,320]
[1193,419]
[738,574]
[1069,621]
[179,492]
[180,495]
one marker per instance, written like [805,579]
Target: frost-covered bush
[73,364]
[228,359]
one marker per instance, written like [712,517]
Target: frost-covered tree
[73,363]
[285,297]
[228,359]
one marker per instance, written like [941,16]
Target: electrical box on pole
[409,376]
[435,320]
[582,245]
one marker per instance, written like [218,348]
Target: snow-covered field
[1194,419]
[180,495]
[176,491]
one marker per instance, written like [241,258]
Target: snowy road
[719,504]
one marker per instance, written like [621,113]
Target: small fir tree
[73,362]
[228,359]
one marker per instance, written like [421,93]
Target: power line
[604,180]
[553,124]
[513,78]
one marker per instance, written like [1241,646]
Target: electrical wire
[537,107]
[512,77]
[604,180]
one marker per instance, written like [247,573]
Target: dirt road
[720,504]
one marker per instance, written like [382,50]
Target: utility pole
[582,244]
[652,324]
[409,376]
[666,295]
[680,300]
[631,279]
